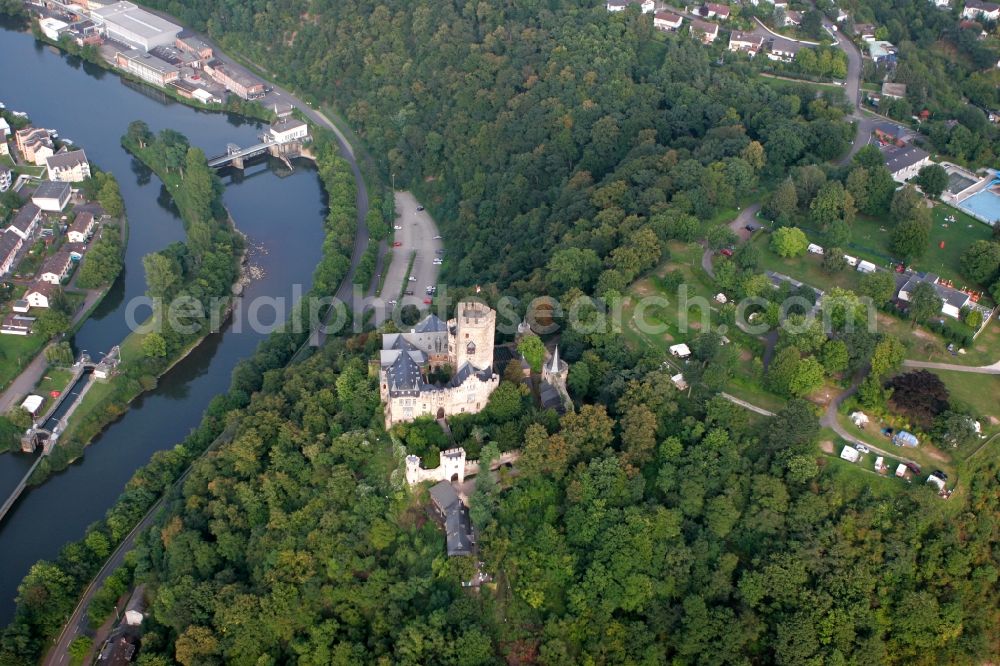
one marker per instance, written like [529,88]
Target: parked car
[913,467]
[396,227]
[939,474]
[427,301]
[397,244]
[420,207]
[408,292]
[862,448]
[438,262]
[749,227]
[412,279]
[437,237]
[727,252]
[438,251]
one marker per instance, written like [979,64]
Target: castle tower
[470,335]
[412,469]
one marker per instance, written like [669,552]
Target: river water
[282,215]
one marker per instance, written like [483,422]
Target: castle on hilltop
[465,344]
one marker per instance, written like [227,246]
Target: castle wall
[475,329]
[468,398]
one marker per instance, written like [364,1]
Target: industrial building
[125,22]
[147,67]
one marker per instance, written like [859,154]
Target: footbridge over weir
[237,157]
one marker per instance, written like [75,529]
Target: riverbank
[151,482]
[146,355]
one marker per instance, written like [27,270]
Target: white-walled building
[125,22]
[647,6]
[746,42]
[68,166]
[289,129]
[667,21]
[905,162]
[52,28]
[52,196]
[976,9]
[25,221]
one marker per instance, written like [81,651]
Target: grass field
[979,393]
[669,329]
[808,268]
[16,352]
[872,237]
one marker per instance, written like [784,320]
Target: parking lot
[416,237]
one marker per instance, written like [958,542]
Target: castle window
[470,348]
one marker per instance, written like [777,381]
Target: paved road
[829,420]
[417,238]
[78,623]
[982,369]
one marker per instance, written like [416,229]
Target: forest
[551,122]
[561,149]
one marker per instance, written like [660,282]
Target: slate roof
[466,371]
[951,296]
[897,159]
[404,375]
[431,324]
[8,244]
[458,529]
[67,160]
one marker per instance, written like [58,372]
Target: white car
[397,227]
[862,448]
[413,279]
[438,262]
[437,238]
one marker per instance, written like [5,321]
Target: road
[78,624]
[829,420]
[417,239]
[739,227]
[982,369]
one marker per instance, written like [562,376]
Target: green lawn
[686,258]
[54,379]
[808,268]
[16,352]
[926,455]
[978,393]
[870,238]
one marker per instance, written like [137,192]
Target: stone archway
[454,478]
[440,414]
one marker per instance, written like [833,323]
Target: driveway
[739,227]
[829,420]
[417,240]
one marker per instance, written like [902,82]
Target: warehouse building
[125,22]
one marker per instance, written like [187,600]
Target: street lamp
[393,182]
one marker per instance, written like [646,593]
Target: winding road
[829,420]
[993,369]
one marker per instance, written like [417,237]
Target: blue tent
[904,438]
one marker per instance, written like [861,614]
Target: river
[282,217]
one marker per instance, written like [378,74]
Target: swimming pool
[984,204]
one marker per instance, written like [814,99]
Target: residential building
[9,245]
[894,90]
[454,516]
[746,42]
[5,178]
[52,28]
[34,144]
[905,162]
[40,294]
[147,67]
[647,6]
[792,17]
[842,16]
[989,11]
[56,268]
[18,324]
[714,10]
[25,221]
[4,133]
[941,4]
[465,344]
[952,300]
[667,21]
[51,195]
[705,31]
[127,23]
[235,79]
[680,350]
[68,166]
[82,227]
[864,31]
[289,129]
[882,51]
[783,50]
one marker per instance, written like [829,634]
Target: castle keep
[465,344]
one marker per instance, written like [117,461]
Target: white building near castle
[465,344]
